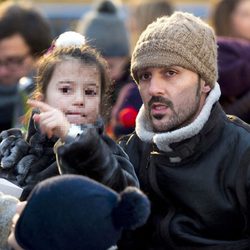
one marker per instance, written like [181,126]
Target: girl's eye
[65,90]
[90,92]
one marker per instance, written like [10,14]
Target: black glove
[87,155]
[12,147]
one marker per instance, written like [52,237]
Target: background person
[234,76]
[231,18]
[106,31]
[24,35]
[145,12]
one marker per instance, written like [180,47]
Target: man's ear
[206,88]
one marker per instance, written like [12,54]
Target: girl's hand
[52,121]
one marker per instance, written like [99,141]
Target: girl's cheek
[92,108]
[92,104]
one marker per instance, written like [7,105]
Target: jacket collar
[163,140]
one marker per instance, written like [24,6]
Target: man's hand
[52,121]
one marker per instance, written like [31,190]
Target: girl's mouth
[76,117]
[69,113]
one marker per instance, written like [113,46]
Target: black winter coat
[201,202]
[95,155]
[28,161]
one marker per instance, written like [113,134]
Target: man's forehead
[160,67]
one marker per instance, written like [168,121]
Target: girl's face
[241,20]
[75,89]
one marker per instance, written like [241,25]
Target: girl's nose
[79,98]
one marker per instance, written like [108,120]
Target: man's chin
[158,126]
[162,125]
[158,117]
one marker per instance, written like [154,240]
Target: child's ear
[40,97]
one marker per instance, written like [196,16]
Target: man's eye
[90,92]
[144,76]
[170,73]
[65,90]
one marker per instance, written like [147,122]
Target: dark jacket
[95,155]
[234,76]
[201,201]
[28,161]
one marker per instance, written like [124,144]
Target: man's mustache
[162,100]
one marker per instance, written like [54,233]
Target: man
[24,35]
[191,159]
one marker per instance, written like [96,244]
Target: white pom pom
[70,38]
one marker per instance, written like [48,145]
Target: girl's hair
[85,54]
[221,18]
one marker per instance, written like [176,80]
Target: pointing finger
[40,105]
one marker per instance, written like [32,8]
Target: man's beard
[180,118]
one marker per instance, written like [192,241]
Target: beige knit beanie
[181,40]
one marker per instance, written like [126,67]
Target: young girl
[69,101]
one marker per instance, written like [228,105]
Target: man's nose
[156,86]
[4,70]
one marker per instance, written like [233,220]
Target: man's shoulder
[238,130]
[239,124]
[132,144]
[126,139]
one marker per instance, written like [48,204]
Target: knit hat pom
[106,7]
[70,38]
[132,210]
